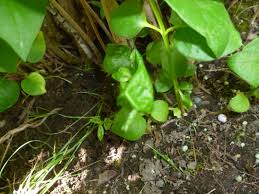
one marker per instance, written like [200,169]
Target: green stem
[160,22]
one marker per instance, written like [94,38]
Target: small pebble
[244,123]
[226,83]
[184,148]
[209,139]
[128,187]
[205,129]
[200,65]
[239,178]
[242,145]
[185,114]
[222,118]
[133,156]
[257,156]
[205,77]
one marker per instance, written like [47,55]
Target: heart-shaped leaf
[9,94]
[192,45]
[9,59]
[139,90]
[122,75]
[160,110]
[117,56]
[34,84]
[211,20]
[246,63]
[129,124]
[128,19]
[20,23]
[239,103]
[38,49]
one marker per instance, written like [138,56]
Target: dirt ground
[196,154]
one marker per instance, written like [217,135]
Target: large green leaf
[38,49]
[20,23]
[129,124]
[246,63]
[117,56]
[239,103]
[139,90]
[34,84]
[9,94]
[128,19]
[211,20]
[192,45]
[8,58]
[163,83]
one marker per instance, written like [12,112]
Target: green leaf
[160,110]
[107,123]
[176,20]
[38,49]
[128,19]
[239,103]
[129,124]
[211,20]
[117,56]
[255,93]
[139,90]
[153,52]
[246,63]
[122,75]
[163,83]
[185,86]
[9,94]
[186,99]
[177,112]
[20,23]
[34,84]
[8,58]
[192,45]
[174,64]
[100,133]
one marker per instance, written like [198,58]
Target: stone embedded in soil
[222,118]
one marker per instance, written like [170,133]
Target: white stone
[184,148]
[222,118]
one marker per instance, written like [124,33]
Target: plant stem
[164,33]
[160,22]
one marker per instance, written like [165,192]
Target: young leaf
[128,19]
[177,112]
[185,86]
[9,94]
[20,23]
[100,133]
[38,49]
[153,52]
[211,20]
[186,99]
[239,103]
[122,75]
[139,90]
[9,59]
[163,83]
[160,110]
[129,127]
[192,45]
[255,93]
[107,123]
[246,63]
[117,56]
[34,84]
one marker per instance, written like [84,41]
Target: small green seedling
[20,39]
[246,65]
[190,37]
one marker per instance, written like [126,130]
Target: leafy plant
[20,40]
[199,31]
[246,65]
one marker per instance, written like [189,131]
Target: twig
[24,126]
